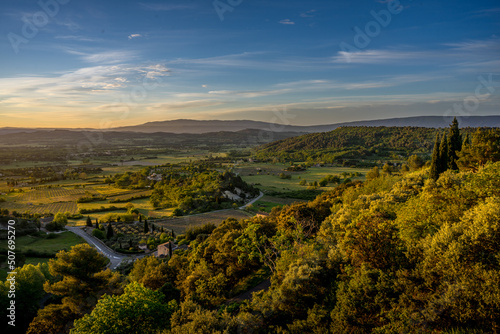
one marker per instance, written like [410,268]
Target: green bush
[99,234]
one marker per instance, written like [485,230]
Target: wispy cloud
[489,45]
[382,82]
[447,54]
[76,85]
[302,83]
[69,24]
[287,21]
[184,105]
[78,38]
[309,13]
[105,57]
[487,12]
[376,56]
[134,36]
[248,94]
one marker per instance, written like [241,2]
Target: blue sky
[75,63]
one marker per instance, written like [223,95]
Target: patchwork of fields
[63,196]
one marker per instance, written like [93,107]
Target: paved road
[114,257]
[252,201]
[117,258]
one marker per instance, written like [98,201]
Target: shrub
[99,234]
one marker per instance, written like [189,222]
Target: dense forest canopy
[390,255]
[399,253]
[352,143]
[199,190]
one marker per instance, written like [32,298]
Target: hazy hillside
[248,137]
[182,126]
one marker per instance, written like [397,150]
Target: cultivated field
[180,224]
[63,207]
[266,176]
[267,203]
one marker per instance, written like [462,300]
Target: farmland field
[180,224]
[56,194]
[265,176]
[60,241]
[266,203]
[70,207]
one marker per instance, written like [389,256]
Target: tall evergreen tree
[89,221]
[170,249]
[109,231]
[146,227]
[454,144]
[435,163]
[96,223]
[443,154]
[173,234]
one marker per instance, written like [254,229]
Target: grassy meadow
[265,176]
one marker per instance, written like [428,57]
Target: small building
[164,249]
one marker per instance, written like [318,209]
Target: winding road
[261,194]
[116,258]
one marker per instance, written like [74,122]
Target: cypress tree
[173,234]
[454,144]
[89,221]
[152,227]
[96,223]
[170,249]
[434,172]
[443,154]
[146,228]
[109,232]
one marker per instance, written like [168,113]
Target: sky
[102,64]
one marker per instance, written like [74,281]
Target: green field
[52,245]
[265,176]
[267,203]
[180,224]
[45,244]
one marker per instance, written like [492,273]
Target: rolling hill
[187,126]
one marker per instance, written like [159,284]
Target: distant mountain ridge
[206,126]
